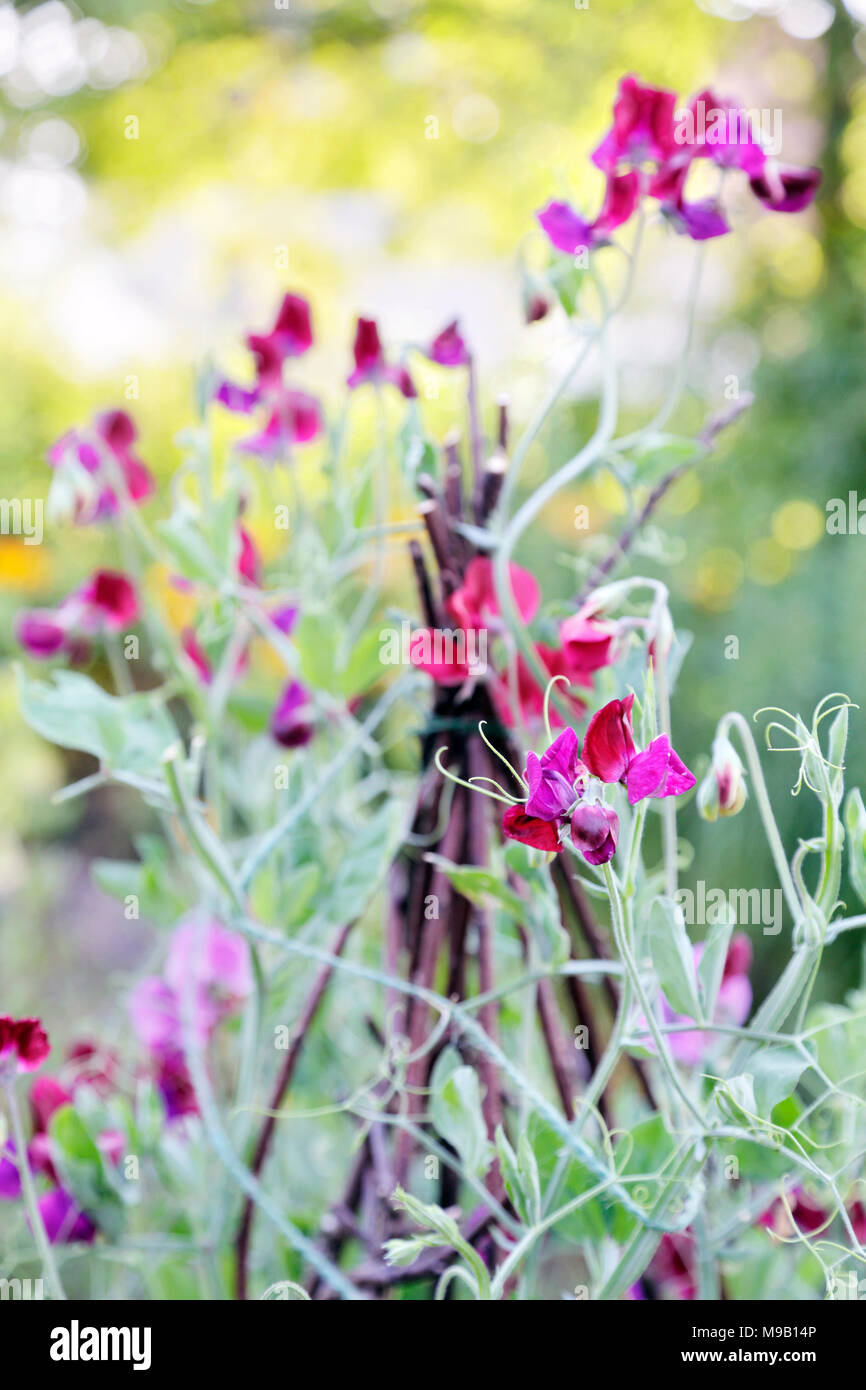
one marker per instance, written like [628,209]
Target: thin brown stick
[266,1134]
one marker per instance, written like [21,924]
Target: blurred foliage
[261,128]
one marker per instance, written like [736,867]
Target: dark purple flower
[293,718]
[782,188]
[595,831]
[10,1177]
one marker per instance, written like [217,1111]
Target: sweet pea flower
[587,644]
[213,964]
[475,604]
[292,722]
[556,780]
[106,603]
[569,232]
[806,1215]
[46,1095]
[529,694]
[721,132]
[448,348]
[700,220]
[24,1045]
[370,364]
[291,416]
[610,754]
[733,1002]
[64,1221]
[249,562]
[91,463]
[782,188]
[10,1177]
[643,126]
[595,831]
[608,746]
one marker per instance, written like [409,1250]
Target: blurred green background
[170,169]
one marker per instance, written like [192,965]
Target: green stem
[37,1225]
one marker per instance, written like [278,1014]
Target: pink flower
[643,126]
[249,564]
[195,652]
[586,645]
[475,603]
[209,961]
[46,1096]
[108,600]
[105,452]
[292,722]
[291,336]
[595,831]
[449,348]
[733,1002]
[445,669]
[723,134]
[295,418]
[702,220]
[24,1045]
[370,364]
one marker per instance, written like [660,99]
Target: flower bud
[723,791]
[595,831]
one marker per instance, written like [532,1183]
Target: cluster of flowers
[24,1046]
[557,783]
[213,965]
[203,958]
[586,644]
[649,151]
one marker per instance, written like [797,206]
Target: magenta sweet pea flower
[64,1221]
[196,653]
[569,232]
[643,126]
[291,416]
[595,831]
[782,188]
[370,364]
[104,451]
[556,780]
[702,220]
[24,1045]
[658,771]
[41,632]
[807,1215]
[449,348]
[249,563]
[10,1176]
[108,600]
[46,1095]
[718,129]
[292,722]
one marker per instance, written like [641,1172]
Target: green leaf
[672,957]
[455,1109]
[855,824]
[126,733]
[182,537]
[480,885]
[775,1073]
[712,964]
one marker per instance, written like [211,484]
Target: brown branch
[266,1134]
